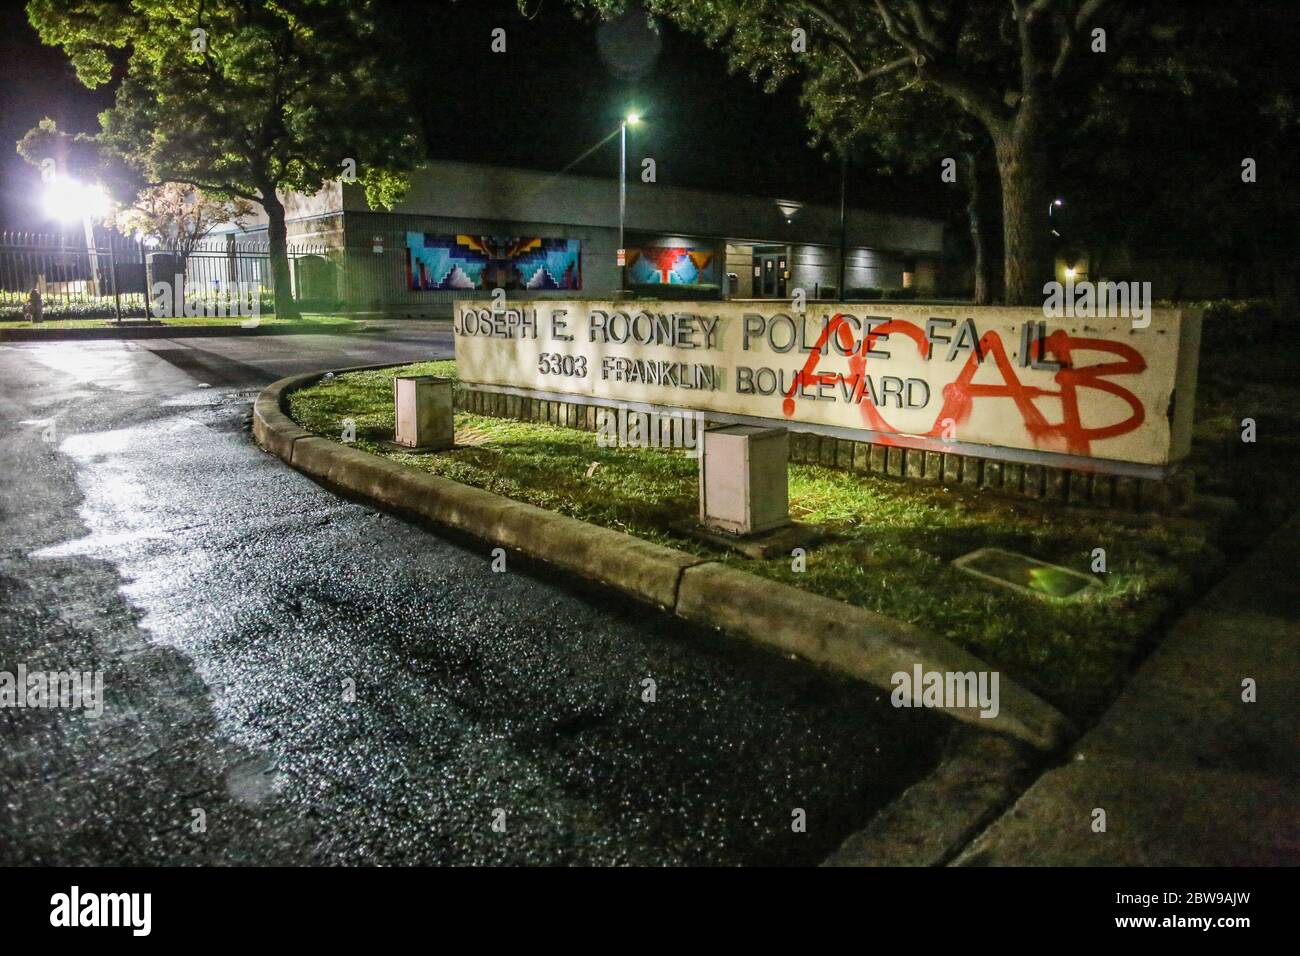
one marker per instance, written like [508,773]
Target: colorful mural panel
[670,265]
[491,262]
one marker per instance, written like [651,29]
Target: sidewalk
[1187,773]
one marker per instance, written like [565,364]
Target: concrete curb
[171,332]
[932,821]
[854,641]
[842,637]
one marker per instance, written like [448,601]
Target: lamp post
[844,232]
[69,200]
[630,120]
[1054,205]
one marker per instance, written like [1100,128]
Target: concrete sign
[995,382]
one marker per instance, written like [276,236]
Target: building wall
[369,281]
[925,277]
[466,191]
[815,268]
[740,261]
[326,230]
[458,198]
[378,281]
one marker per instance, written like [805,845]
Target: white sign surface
[938,377]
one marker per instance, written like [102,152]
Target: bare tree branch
[842,39]
[893,66]
[835,24]
[900,33]
[860,71]
[924,26]
[210,187]
[978,98]
[1072,30]
[1030,66]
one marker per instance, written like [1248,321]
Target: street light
[1054,205]
[632,119]
[68,200]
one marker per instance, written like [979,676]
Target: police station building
[463,230]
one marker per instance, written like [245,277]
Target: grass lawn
[893,541]
[99,323]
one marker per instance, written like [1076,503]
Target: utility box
[168,268]
[744,479]
[424,413]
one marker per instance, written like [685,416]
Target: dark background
[561,87]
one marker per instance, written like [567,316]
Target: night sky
[35,81]
[558,90]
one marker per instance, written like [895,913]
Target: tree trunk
[976,206]
[1023,171]
[285,307]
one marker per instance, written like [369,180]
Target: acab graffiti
[1067,433]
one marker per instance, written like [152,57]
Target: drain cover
[1023,573]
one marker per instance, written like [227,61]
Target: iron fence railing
[110,276]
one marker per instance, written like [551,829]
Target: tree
[1008,65]
[179,215]
[78,155]
[908,130]
[242,100]
[1195,97]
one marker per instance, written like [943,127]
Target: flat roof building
[464,229]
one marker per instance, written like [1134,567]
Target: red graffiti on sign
[1068,435]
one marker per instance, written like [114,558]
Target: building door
[770,271]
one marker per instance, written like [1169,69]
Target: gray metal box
[424,416]
[744,479]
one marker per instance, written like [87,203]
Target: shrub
[1251,320]
[673,292]
[12,305]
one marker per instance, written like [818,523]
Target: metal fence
[110,276]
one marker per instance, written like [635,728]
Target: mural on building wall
[491,262]
[670,265]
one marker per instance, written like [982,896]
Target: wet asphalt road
[232,605]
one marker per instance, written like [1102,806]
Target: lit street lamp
[67,200]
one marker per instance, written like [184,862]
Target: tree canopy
[244,99]
[1021,78]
